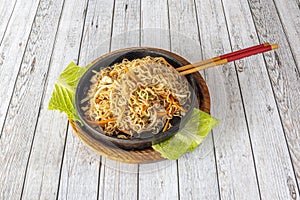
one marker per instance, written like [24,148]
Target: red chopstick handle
[244,50]
[253,52]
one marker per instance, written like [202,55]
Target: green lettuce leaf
[63,94]
[189,137]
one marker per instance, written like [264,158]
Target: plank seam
[82,32]
[14,87]
[243,104]
[205,74]
[138,165]
[178,180]
[274,96]
[41,100]
[216,163]
[103,181]
[109,49]
[169,25]
[138,182]
[283,129]
[198,28]
[287,38]
[99,174]
[62,161]
[66,136]
[112,25]
[140,24]
[8,22]
[170,45]
[170,48]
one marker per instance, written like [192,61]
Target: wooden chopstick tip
[274,46]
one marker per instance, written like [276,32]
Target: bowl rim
[102,135]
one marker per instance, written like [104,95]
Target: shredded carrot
[126,69]
[168,108]
[166,125]
[160,114]
[106,121]
[91,122]
[171,103]
[112,73]
[101,122]
[171,100]
[179,107]
[172,112]
[144,107]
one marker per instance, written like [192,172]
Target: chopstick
[223,59]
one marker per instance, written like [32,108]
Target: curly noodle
[136,96]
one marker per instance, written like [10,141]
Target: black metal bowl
[147,139]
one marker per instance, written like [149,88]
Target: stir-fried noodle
[136,96]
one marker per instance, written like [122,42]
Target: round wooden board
[145,155]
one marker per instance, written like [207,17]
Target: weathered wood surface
[12,47]
[272,160]
[117,176]
[253,154]
[19,128]
[80,171]
[163,174]
[6,9]
[283,71]
[288,12]
[184,41]
[44,165]
[234,160]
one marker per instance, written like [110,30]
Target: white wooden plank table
[253,154]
